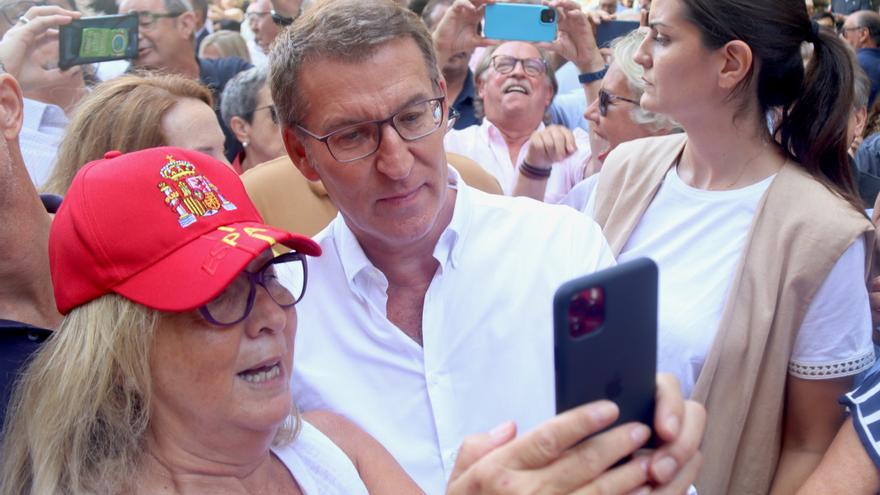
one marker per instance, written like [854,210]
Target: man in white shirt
[429,315]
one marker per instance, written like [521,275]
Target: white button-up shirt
[485,145]
[41,132]
[487,329]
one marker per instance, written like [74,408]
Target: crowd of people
[378,187]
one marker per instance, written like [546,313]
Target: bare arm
[845,469]
[812,418]
[378,470]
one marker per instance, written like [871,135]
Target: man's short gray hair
[178,5]
[623,56]
[240,94]
[339,30]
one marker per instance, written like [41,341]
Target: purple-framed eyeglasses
[236,302]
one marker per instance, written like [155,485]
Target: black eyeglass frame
[154,17]
[273,113]
[258,278]
[378,123]
[606,99]
[521,61]
[282,20]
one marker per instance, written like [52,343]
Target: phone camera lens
[548,16]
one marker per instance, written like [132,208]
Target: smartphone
[608,31]
[605,328]
[98,39]
[520,22]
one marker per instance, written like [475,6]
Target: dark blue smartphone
[98,39]
[608,31]
[605,327]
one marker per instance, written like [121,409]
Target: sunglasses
[606,99]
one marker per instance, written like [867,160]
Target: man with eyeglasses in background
[50,94]
[165,42]
[861,30]
[430,316]
[259,18]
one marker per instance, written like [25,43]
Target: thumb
[475,447]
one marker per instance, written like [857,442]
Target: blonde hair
[125,114]
[228,43]
[78,418]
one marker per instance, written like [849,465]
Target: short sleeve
[864,407]
[835,338]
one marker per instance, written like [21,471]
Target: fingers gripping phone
[98,39]
[519,21]
[605,328]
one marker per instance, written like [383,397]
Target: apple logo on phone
[613,388]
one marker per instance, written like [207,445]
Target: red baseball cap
[165,227]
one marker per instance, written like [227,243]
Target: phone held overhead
[605,327]
[98,39]
[519,22]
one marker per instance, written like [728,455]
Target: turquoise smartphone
[520,22]
[97,39]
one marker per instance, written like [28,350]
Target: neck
[26,288]
[225,463]
[66,97]
[454,85]
[185,65]
[728,152]
[517,135]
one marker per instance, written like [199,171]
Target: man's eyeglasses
[504,64]
[14,11]
[273,113]
[845,29]
[236,302]
[148,19]
[253,16]
[606,99]
[361,140]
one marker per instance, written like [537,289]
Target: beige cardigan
[799,232]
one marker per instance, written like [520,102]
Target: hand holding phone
[605,328]
[520,22]
[98,39]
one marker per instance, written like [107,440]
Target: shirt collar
[447,251]
[38,114]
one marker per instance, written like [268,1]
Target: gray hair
[862,90]
[178,5]
[623,55]
[240,94]
[340,30]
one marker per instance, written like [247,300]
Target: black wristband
[589,77]
[533,172]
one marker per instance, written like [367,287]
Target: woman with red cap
[171,370]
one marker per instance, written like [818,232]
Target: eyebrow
[342,123]
[653,25]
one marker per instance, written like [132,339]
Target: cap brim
[199,271]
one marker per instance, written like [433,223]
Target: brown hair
[122,114]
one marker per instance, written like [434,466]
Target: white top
[485,145]
[487,329]
[696,238]
[41,133]
[319,466]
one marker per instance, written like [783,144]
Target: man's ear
[11,107]
[240,128]
[736,63]
[186,23]
[297,154]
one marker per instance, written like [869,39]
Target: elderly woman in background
[222,44]
[135,112]
[615,117]
[171,370]
[248,110]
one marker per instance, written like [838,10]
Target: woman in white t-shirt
[699,205]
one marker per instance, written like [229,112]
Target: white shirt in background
[696,237]
[41,133]
[485,145]
[487,354]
